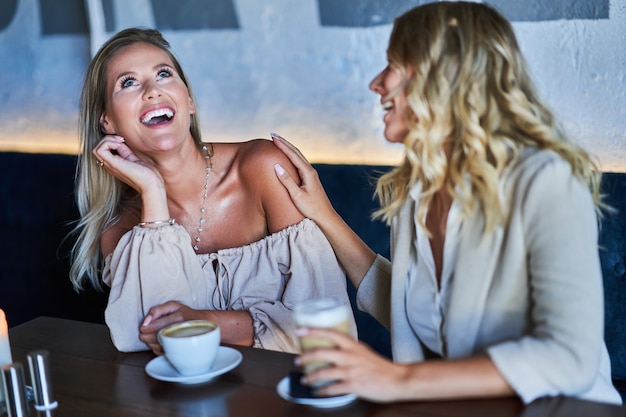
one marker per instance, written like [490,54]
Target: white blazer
[528,294]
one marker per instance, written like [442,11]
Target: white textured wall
[580,66]
[281,71]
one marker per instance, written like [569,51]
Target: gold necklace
[207,171]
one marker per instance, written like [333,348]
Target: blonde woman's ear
[105,126]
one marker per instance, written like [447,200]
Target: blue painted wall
[299,67]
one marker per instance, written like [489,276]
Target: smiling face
[147,101]
[389,84]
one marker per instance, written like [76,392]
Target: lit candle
[5,347]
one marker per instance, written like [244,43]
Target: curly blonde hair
[468,90]
[99,196]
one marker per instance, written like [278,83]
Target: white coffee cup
[329,313]
[191,346]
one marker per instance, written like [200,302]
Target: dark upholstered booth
[37,208]
[612,251]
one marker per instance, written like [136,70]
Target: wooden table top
[92,379]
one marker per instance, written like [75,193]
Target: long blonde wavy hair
[99,196]
[468,90]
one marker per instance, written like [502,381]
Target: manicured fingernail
[146,321]
[301,331]
[275,136]
[279,169]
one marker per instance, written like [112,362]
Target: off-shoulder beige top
[150,266]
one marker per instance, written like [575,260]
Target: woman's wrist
[155,212]
[157,223]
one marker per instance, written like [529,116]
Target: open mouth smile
[158,116]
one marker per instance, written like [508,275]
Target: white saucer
[322,402]
[225,360]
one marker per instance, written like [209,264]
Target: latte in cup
[189,329]
[328,313]
[190,346]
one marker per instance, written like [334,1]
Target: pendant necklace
[207,171]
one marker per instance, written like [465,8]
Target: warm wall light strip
[325,153]
[321,153]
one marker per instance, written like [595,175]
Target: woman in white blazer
[494,286]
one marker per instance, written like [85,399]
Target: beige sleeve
[295,264]
[148,267]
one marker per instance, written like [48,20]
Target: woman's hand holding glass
[356,368]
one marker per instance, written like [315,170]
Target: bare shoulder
[257,157]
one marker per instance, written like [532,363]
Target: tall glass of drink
[328,313]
